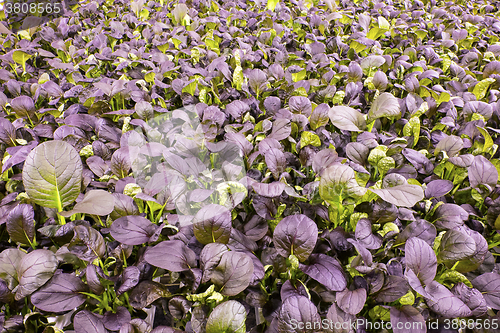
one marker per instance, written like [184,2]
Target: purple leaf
[212,224]
[489,285]
[233,273]
[295,234]
[327,271]
[132,230]
[407,316]
[438,188]
[180,257]
[62,293]
[420,258]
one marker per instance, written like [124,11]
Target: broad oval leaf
[10,259]
[386,105]
[318,118]
[95,202]
[62,293]
[419,228]
[87,243]
[233,274]
[450,216]
[347,118]
[227,317]
[473,298]
[456,245]
[405,317]
[23,106]
[297,235]
[326,270]
[87,322]
[300,104]
[114,321]
[210,257]
[444,302]
[372,61]
[365,236]
[351,301]
[129,279]
[401,195]
[451,145]
[394,287]
[133,230]
[482,172]
[357,152]
[272,190]
[275,161]
[35,269]
[21,224]
[146,293]
[52,174]
[212,224]
[338,182]
[438,188]
[124,205]
[341,319]
[179,258]
[489,285]
[298,309]
[420,258]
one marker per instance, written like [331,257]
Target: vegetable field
[236,166]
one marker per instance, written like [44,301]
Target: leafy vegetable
[52,174]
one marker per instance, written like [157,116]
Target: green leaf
[375,33]
[385,164]
[299,75]
[356,46]
[21,57]
[496,163]
[421,33]
[481,87]
[412,128]
[376,154]
[227,317]
[380,312]
[150,77]
[309,138]
[52,174]
[190,88]
[488,141]
[443,97]
[455,277]
[271,4]
[338,182]
[238,77]
[338,97]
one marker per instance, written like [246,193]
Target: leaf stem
[370,126]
